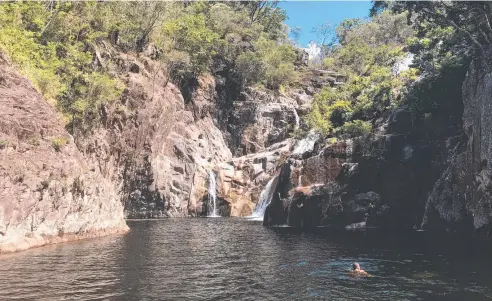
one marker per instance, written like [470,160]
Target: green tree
[278,61]
[251,67]
[448,32]
[367,52]
[190,34]
[53,45]
[66,48]
[356,128]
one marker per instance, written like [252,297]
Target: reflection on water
[222,259]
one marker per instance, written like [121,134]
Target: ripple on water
[223,259]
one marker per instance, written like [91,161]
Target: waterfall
[212,195]
[299,181]
[298,121]
[306,144]
[265,198]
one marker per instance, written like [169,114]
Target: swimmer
[357,271]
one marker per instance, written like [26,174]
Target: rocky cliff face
[48,191]
[461,198]
[159,143]
[242,179]
[431,173]
[262,118]
[156,148]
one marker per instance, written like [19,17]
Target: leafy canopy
[58,45]
[367,54]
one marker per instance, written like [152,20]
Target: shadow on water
[430,266]
[227,258]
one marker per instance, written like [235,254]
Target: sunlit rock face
[242,180]
[48,191]
[258,131]
[258,118]
[313,50]
[158,144]
[159,149]
[261,119]
[326,166]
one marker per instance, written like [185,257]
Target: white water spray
[212,195]
[298,120]
[265,198]
[306,144]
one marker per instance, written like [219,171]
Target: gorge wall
[461,197]
[153,150]
[432,173]
[159,143]
[150,154]
[156,148]
[48,191]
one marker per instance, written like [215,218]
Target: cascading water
[306,144]
[212,195]
[265,198]
[298,120]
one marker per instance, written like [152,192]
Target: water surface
[238,259]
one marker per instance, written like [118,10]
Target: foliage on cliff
[58,45]
[448,33]
[443,38]
[53,46]
[371,54]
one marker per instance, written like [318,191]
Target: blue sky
[309,14]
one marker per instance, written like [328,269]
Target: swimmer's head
[355,266]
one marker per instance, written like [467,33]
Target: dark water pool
[238,259]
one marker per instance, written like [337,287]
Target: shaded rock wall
[461,198]
[48,191]
[384,180]
[308,188]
